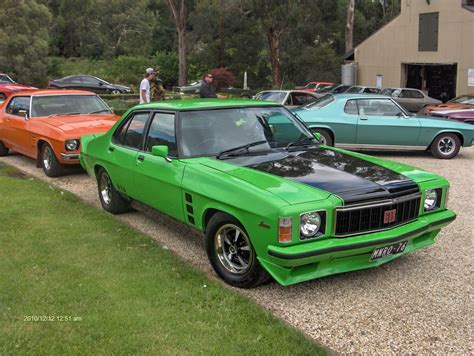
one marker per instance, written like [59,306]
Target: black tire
[110,198]
[116,91]
[3,150]
[252,274]
[325,136]
[49,162]
[445,146]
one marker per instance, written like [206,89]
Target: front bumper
[298,263]
[70,158]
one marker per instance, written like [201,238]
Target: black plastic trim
[359,245]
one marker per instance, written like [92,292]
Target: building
[429,46]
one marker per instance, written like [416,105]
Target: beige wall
[397,43]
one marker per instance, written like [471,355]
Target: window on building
[428,32]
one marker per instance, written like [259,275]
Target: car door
[159,179]
[405,100]
[418,100]
[15,131]
[382,122]
[127,142]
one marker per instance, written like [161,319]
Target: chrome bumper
[70,156]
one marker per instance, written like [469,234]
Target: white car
[289,98]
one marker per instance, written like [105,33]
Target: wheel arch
[39,147]
[447,131]
[324,127]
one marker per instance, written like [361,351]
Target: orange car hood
[82,124]
[453,106]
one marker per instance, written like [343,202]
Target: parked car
[314,86]
[193,88]
[8,86]
[269,198]
[90,83]
[47,125]
[363,121]
[362,90]
[289,98]
[458,103]
[411,99]
[463,115]
[332,89]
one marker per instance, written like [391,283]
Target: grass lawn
[73,279]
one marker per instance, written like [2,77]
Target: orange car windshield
[53,105]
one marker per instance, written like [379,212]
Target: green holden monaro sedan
[270,199]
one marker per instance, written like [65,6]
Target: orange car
[47,125]
[458,103]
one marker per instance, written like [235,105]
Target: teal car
[270,200]
[366,122]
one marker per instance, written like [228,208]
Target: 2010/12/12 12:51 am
[60,318]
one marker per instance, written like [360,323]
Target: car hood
[321,171]
[448,106]
[81,124]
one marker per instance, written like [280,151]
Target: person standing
[207,90]
[145,86]
[157,90]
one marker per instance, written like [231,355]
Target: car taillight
[284,230]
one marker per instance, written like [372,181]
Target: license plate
[382,252]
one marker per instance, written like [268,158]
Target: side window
[130,134]
[162,132]
[406,94]
[18,103]
[351,107]
[353,90]
[415,94]
[378,107]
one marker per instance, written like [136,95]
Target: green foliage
[101,287]
[24,26]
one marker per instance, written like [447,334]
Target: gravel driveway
[419,303]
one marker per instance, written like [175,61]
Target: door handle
[363,117]
[141,158]
[111,149]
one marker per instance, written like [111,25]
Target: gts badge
[121,188]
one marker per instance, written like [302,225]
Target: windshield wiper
[233,151]
[301,142]
[68,113]
[98,111]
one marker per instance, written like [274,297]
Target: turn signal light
[284,230]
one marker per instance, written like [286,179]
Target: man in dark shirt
[207,90]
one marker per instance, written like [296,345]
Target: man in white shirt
[145,85]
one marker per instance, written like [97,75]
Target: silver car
[289,98]
[362,90]
[411,99]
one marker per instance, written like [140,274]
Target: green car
[371,121]
[270,199]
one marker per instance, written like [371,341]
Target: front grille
[363,218]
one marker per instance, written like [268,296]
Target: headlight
[432,199]
[72,145]
[311,224]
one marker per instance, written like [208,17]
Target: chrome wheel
[446,145]
[47,158]
[323,140]
[105,187]
[233,249]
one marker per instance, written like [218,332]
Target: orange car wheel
[3,150]
[51,165]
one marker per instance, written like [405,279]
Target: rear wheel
[326,138]
[231,253]
[3,150]
[110,198]
[51,165]
[445,146]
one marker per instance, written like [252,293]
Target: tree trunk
[350,25]
[180,16]
[274,44]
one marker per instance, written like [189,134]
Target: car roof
[45,92]
[343,96]
[285,91]
[199,104]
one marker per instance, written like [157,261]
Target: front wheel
[3,150]
[110,198]
[326,138]
[51,166]
[116,91]
[445,146]
[231,253]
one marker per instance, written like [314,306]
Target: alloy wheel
[233,249]
[47,158]
[446,145]
[105,188]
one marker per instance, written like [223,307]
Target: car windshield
[464,99]
[276,96]
[5,79]
[321,102]
[388,91]
[51,105]
[210,132]
[326,89]
[310,85]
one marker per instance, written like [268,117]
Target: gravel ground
[419,303]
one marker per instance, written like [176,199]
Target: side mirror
[160,151]
[317,136]
[23,113]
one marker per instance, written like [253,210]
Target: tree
[350,25]
[24,40]
[179,10]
